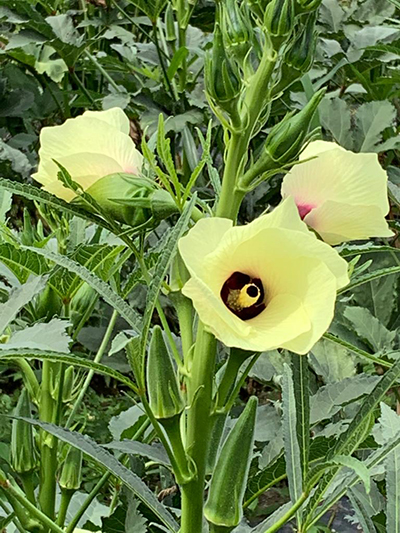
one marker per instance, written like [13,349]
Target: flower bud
[224,505]
[300,52]
[236,29]
[279,18]
[23,449]
[223,82]
[286,139]
[71,474]
[303,6]
[131,200]
[165,398]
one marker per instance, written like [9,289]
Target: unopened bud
[237,29]
[132,200]
[24,457]
[300,52]
[165,398]
[279,18]
[223,81]
[302,6]
[71,474]
[286,139]
[68,386]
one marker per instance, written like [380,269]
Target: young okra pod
[228,483]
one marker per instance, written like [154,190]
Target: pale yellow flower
[340,194]
[265,285]
[90,146]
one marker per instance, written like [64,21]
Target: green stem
[253,105]
[29,486]
[288,515]
[233,364]
[199,422]
[184,310]
[162,64]
[66,496]
[48,455]
[32,509]
[97,359]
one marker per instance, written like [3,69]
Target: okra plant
[152,242]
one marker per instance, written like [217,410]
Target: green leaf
[358,466]
[376,274]
[27,353]
[18,299]
[152,8]
[361,513]
[111,297]
[161,270]
[22,263]
[369,328]
[335,117]
[164,152]
[330,399]
[18,160]
[332,361]
[5,204]
[98,258]
[106,459]
[63,28]
[131,447]
[34,193]
[289,425]
[388,430]
[177,59]
[372,119]
[46,336]
[301,384]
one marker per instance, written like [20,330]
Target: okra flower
[90,146]
[340,194]
[265,285]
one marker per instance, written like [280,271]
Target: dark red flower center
[243,295]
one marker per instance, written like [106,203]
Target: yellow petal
[315,148]
[337,223]
[201,240]
[115,117]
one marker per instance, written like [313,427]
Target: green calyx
[237,29]
[165,398]
[279,18]
[223,81]
[71,474]
[224,505]
[131,200]
[300,51]
[24,457]
[286,139]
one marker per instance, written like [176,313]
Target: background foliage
[60,58]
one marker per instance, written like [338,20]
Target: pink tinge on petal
[131,170]
[304,209]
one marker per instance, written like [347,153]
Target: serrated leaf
[361,513]
[106,459]
[22,263]
[335,117]
[47,336]
[371,276]
[331,398]
[289,426]
[18,299]
[39,195]
[372,119]
[331,361]
[369,328]
[28,353]
[358,466]
[131,447]
[98,258]
[301,387]
[111,297]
